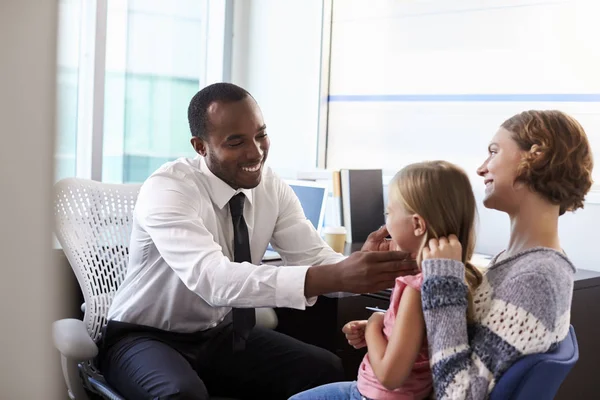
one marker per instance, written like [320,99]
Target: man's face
[237,144]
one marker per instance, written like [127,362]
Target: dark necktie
[243,318]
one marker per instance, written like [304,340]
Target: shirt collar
[220,192]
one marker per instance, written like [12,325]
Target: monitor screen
[313,197]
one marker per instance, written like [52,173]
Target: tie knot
[236,205]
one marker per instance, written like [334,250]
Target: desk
[321,325]
[582,382]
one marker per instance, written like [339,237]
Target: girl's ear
[419,225]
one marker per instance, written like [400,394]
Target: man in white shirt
[182,323]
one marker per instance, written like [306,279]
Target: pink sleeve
[413,281]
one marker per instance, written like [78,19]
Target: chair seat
[538,376]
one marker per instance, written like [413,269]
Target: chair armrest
[72,340]
[266,318]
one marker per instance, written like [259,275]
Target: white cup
[335,237]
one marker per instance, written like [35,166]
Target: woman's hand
[355,333]
[449,248]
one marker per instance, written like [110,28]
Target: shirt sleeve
[294,236]
[168,210]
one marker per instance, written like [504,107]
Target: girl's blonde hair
[441,193]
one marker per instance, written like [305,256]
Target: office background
[342,84]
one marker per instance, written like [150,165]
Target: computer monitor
[313,198]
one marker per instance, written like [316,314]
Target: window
[153,68]
[435,79]
[413,81]
[123,96]
[67,87]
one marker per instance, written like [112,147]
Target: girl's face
[406,229]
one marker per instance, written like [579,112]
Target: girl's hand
[355,333]
[449,248]
[375,320]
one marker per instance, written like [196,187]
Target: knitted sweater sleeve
[512,326]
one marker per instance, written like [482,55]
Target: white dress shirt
[180,275]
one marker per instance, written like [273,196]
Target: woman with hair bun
[539,167]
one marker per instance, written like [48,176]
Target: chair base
[103,389]
[106,392]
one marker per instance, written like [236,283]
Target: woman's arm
[521,318]
[393,360]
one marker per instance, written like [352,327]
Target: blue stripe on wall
[468,10]
[529,97]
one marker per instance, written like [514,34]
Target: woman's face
[499,171]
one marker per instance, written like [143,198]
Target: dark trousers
[146,363]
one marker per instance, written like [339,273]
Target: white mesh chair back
[93,225]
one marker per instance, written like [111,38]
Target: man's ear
[199,145]
[419,225]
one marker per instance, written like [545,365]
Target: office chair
[538,376]
[93,226]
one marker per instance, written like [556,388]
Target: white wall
[435,79]
[412,81]
[28,288]
[276,56]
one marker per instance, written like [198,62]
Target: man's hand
[366,272]
[355,333]
[376,241]
[449,248]
[361,272]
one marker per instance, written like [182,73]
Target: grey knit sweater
[522,307]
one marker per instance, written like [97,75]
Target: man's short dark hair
[198,109]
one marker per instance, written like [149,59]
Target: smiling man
[182,324]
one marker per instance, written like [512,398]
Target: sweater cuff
[443,267]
